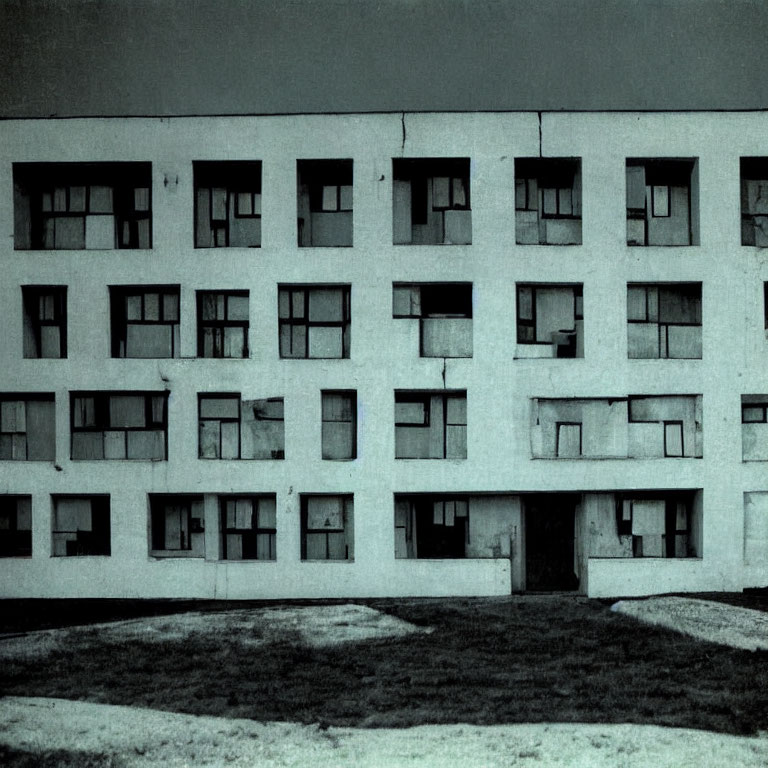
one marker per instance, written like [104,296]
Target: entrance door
[549,542]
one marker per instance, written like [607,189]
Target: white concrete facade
[384,356]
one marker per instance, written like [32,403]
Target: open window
[339,431]
[550,320]
[119,425]
[227,204]
[431,425]
[327,527]
[27,426]
[662,200]
[314,321]
[222,324]
[754,427]
[665,426]
[444,311]
[15,526]
[145,321]
[248,527]
[324,202]
[177,525]
[231,428]
[664,320]
[431,526]
[79,206]
[754,201]
[548,201]
[81,526]
[45,321]
[431,202]
[658,523]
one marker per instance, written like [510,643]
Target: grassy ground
[521,659]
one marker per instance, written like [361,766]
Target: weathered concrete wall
[384,352]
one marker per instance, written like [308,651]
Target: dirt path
[143,738]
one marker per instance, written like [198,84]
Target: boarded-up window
[431,201]
[547,201]
[231,429]
[27,427]
[324,197]
[222,324]
[145,321]
[658,524]
[314,321]
[177,525]
[754,427]
[431,425]
[551,316]
[81,526]
[568,437]
[754,201]
[227,204]
[339,425]
[327,527]
[248,527]
[119,425]
[15,526]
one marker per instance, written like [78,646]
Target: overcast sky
[177,57]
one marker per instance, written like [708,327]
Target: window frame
[100,505]
[292,321]
[221,325]
[255,531]
[158,505]
[118,299]
[351,394]
[102,416]
[347,501]
[12,544]
[32,295]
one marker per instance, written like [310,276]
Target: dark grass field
[488,661]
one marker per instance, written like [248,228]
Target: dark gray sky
[178,57]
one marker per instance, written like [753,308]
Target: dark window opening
[227,204]
[754,201]
[45,321]
[177,525]
[15,526]
[80,206]
[551,316]
[431,201]
[324,202]
[248,527]
[431,527]
[81,526]
[548,201]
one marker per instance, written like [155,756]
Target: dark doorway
[549,542]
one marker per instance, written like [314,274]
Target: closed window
[45,321]
[177,525]
[664,320]
[658,524]
[431,425]
[754,427]
[339,432]
[27,427]
[228,204]
[145,321]
[233,429]
[222,324]
[314,321]
[119,425]
[327,527]
[248,527]
[79,206]
[81,526]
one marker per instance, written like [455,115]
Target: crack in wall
[402,123]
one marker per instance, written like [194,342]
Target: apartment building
[384,354]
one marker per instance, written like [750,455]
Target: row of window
[108,205]
[664,320]
[426,526]
[428,425]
